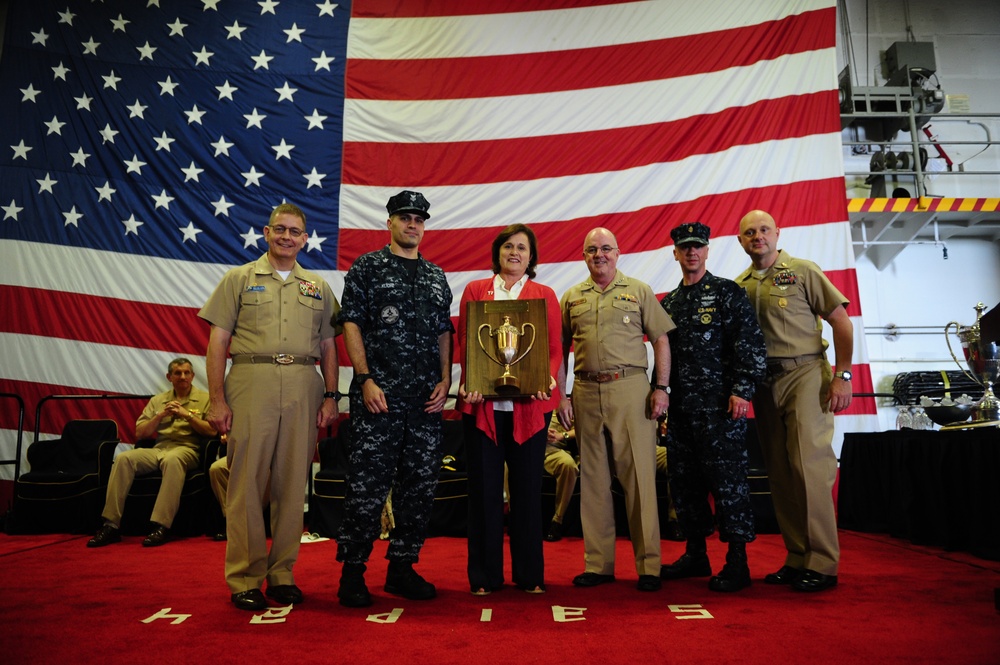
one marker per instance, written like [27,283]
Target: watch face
[847,376]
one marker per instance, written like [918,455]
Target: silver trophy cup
[983,360]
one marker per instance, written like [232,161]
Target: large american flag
[143,145]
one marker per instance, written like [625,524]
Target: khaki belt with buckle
[778,366]
[605,377]
[273,359]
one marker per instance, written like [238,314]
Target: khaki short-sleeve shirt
[176,429]
[607,327]
[266,314]
[789,300]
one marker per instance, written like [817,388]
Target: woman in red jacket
[508,431]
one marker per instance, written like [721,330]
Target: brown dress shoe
[286,594]
[157,536]
[592,579]
[107,534]
[784,575]
[251,600]
[649,583]
[813,581]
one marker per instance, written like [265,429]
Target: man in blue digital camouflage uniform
[397,329]
[718,360]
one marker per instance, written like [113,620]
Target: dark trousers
[486,460]
[400,450]
[708,454]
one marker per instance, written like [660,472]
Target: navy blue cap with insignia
[691,233]
[407,201]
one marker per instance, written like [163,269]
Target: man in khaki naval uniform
[175,418]
[275,319]
[794,406]
[614,407]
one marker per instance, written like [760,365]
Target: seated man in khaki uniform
[562,461]
[175,418]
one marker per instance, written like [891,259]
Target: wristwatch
[665,389]
[845,375]
[361,378]
[335,394]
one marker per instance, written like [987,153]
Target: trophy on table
[983,359]
[508,339]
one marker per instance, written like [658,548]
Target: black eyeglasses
[603,249]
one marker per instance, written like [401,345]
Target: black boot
[402,580]
[693,563]
[353,591]
[735,575]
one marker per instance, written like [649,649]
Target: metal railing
[918,141]
[16,462]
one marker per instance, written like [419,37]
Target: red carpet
[896,603]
